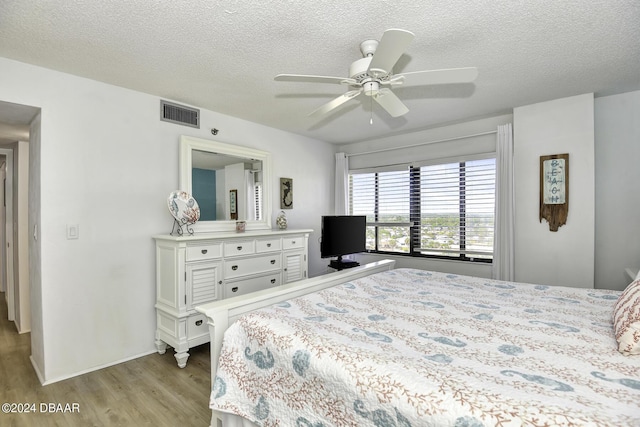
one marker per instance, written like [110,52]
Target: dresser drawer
[205,251]
[292,242]
[241,287]
[268,245]
[197,326]
[242,247]
[257,264]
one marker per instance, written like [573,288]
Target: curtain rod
[420,144]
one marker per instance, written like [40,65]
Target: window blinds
[442,209]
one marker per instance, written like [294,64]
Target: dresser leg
[181,358]
[161,346]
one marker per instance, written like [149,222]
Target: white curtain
[504,242]
[342,184]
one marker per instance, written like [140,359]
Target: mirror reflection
[226,187]
[230,183]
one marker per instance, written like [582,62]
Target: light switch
[73,231]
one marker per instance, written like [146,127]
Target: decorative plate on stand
[184,209]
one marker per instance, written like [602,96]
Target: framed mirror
[230,183]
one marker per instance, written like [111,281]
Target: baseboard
[37,369]
[96,368]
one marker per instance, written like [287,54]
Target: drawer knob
[234,289]
[268,245]
[273,280]
[239,248]
[273,261]
[198,322]
[220,282]
[234,267]
[204,251]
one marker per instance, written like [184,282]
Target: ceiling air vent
[179,114]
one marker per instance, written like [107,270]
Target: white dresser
[194,270]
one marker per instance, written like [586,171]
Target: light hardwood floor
[148,391]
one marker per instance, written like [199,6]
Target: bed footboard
[221,314]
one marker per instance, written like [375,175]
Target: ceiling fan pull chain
[371,96]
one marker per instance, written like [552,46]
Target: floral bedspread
[415,348]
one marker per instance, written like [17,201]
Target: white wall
[234,180]
[434,150]
[565,257]
[107,164]
[617,148]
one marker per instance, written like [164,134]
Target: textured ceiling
[223,55]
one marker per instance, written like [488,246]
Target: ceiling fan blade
[336,102]
[392,45]
[313,79]
[437,77]
[390,102]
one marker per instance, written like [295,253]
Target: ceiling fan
[372,75]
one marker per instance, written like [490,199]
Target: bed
[377,346]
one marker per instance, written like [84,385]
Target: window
[437,210]
[257,201]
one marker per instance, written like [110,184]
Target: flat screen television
[343,235]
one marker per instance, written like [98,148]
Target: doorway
[15,130]
[6,232]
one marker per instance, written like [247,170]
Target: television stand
[341,264]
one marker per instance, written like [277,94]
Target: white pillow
[626,319]
[637,276]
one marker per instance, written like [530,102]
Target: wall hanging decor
[554,189]
[286,193]
[233,204]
